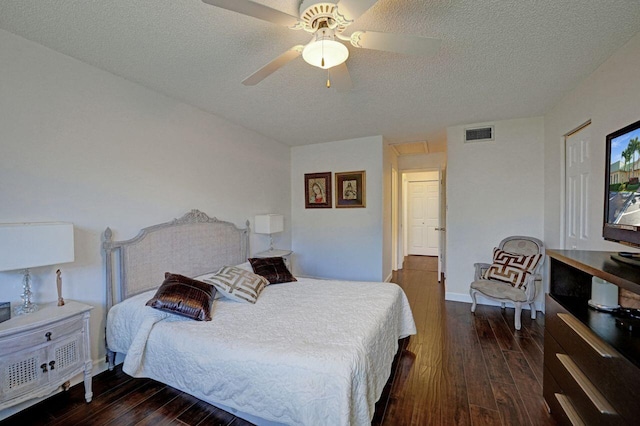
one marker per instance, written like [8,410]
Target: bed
[309,352]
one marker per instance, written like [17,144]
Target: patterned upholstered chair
[514,275]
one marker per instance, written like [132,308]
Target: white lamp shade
[333,52]
[269,223]
[29,245]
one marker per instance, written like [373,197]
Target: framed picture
[317,190]
[350,189]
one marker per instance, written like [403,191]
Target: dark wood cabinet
[591,367]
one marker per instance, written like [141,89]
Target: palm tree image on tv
[624,195]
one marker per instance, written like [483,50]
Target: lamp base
[27,307]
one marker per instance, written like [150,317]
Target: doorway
[422,218]
[422,215]
[577,184]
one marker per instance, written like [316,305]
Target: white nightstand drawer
[43,335]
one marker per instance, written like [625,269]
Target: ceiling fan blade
[256,10]
[408,44]
[353,9]
[273,66]
[340,77]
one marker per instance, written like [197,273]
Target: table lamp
[29,245]
[269,224]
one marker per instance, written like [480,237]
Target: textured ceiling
[500,59]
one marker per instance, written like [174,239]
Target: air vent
[478,134]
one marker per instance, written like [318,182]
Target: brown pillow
[273,269]
[184,296]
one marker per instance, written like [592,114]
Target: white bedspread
[312,352]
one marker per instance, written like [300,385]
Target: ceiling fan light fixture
[324,52]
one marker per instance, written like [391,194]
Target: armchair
[496,287]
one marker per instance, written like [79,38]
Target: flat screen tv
[622,193]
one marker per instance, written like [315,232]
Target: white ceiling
[500,59]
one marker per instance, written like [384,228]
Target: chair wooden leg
[517,316]
[472,292]
[532,305]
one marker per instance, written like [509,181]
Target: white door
[423,206]
[577,186]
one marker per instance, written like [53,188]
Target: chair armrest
[532,287]
[480,269]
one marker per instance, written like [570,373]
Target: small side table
[284,254]
[41,351]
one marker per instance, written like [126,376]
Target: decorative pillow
[273,269]
[512,268]
[184,296]
[246,266]
[237,284]
[202,277]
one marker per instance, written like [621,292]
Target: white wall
[437,160]
[343,243]
[610,98]
[494,190]
[81,145]
[390,162]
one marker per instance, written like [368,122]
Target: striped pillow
[512,268]
[237,284]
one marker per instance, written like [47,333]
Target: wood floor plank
[455,401]
[166,414]
[481,416]
[521,372]
[124,404]
[504,335]
[217,418]
[102,402]
[145,408]
[196,413]
[510,404]
[494,361]
[534,356]
[536,409]
[476,375]
[508,314]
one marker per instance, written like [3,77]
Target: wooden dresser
[591,367]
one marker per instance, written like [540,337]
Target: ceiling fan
[327,20]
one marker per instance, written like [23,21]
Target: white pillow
[246,266]
[237,284]
[218,294]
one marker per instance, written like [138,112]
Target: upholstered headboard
[192,245]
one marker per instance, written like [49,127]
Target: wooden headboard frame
[192,245]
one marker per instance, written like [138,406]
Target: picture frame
[351,189]
[317,190]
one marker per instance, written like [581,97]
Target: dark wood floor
[460,369]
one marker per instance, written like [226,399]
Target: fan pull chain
[322,46]
[328,80]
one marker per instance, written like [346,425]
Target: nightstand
[284,254]
[44,350]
